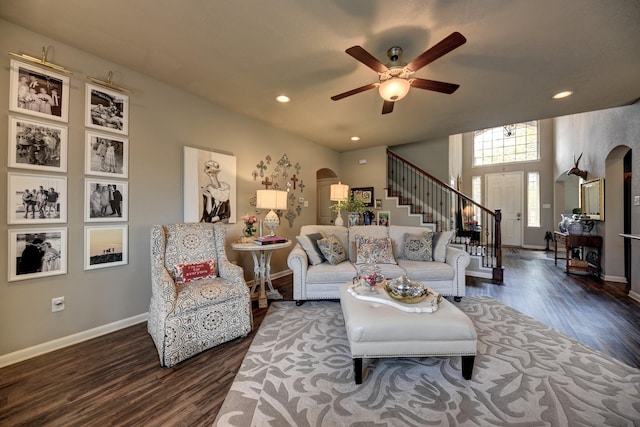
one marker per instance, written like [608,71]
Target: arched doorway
[324,178]
[617,210]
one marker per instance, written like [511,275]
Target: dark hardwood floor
[117,380]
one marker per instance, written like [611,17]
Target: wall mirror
[592,199]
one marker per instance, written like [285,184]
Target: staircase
[477,229]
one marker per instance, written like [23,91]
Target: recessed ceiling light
[355,138]
[563,94]
[282,98]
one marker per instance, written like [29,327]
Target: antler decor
[575,170]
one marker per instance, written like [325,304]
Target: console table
[580,242]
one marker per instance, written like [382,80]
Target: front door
[504,192]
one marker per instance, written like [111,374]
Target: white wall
[162,121]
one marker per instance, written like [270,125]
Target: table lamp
[271,199]
[339,193]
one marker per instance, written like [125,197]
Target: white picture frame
[22,209]
[37,145]
[38,92]
[105,246]
[106,155]
[106,110]
[97,200]
[46,257]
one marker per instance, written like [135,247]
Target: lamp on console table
[271,199]
[339,193]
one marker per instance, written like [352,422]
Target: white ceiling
[241,54]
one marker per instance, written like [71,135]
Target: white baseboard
[534,247]
[634,296]
[40,349]
[616,279]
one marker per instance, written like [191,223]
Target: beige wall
[602,137]
[162,121]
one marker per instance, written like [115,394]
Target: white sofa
[323,281]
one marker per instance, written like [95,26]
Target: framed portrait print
[36,199]
[106,200]
[209,186]
[37,145]
[106,155]
[365,193]
[107,110]
[35,253]
[38,92]
[384,218]
[105,246]
[378,203]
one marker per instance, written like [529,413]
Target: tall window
[506,144]
[533,199]
[476,193]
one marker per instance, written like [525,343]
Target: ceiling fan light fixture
[394,89]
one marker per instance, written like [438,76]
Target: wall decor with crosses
[280,175]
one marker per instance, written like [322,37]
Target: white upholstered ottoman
[377,330]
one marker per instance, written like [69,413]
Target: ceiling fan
[395,77]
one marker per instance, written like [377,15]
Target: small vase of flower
[249,229]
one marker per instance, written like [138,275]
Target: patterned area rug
[298,372]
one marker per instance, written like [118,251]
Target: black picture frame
[366,193]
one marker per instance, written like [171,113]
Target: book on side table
[269,240]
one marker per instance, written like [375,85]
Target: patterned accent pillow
[332,250]
[309,243]
[186,273]
[376,250]
[418,247]
[440,242]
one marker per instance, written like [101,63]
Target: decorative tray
[427,304]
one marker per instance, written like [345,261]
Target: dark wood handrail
[438,181]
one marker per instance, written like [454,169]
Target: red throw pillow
[186,273]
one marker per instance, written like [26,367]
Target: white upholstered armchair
[190,317]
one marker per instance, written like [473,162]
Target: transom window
[506,144]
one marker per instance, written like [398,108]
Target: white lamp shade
[271,199]
[394,89]
[339,192]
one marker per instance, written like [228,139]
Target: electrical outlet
[57,304]
[636,200]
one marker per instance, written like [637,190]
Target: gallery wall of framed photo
[37,191]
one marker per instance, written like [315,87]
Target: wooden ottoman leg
[467,366]
[357,369]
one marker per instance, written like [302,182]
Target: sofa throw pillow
[440,242]
[418,247]
[375,250]
[332,250]
[185,273]
[309,243]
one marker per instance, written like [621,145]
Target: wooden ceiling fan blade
[353,91]
[435,86]
[446,45]
[387,107]
[366,58]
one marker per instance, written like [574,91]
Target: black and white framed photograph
[106,155]
[107,110]
[38,92]
[36,199]
[105,246]
[106,200]
[35,253]
[37,145]
[209,186]
[364,193]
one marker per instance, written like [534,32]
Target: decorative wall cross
[294,178]
[262,167]
[301,186]
[267,183]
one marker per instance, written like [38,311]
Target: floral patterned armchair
[201,312]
